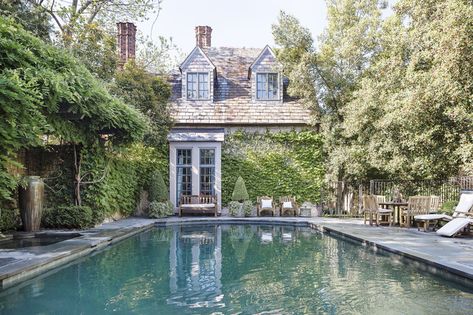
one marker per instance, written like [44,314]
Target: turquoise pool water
[236,269]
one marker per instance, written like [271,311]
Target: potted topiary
[159,205]
[240,205]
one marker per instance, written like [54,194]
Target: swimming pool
[227,269]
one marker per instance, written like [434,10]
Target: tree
[86,27]
[44,91]
[239,192]
[32,19]
[157,189]
[412,114]
[328,76]
[149,94]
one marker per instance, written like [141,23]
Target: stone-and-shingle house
[216,91]
[219,90]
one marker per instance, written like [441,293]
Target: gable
[197,60]
[265,62]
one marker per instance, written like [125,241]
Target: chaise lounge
[461,210]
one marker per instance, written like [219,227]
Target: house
[216,91]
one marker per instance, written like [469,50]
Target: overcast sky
[235,23]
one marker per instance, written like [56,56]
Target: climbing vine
[274,164]
[47,94]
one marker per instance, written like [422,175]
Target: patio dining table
[396,206]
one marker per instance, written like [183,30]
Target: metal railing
[338,197]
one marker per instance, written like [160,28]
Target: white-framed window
[198,85]
[183,172]
[267,86]
[207,172]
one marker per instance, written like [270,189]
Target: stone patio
[449,257]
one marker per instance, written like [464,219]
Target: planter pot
[31,203]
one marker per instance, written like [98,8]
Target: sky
[235,23]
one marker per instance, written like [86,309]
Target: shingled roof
[232,103]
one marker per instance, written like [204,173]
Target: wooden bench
[198,205]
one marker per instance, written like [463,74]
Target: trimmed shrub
[160,209]
[247,208]
[235,206]
[69,217]
[9,219]
[239,192]
[157,189]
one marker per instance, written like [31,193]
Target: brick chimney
[203,36]
[126,42]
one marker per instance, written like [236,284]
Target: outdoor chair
[462,210]
[380,198]
[416,205]
[375,213]
[265,204]
[288,206]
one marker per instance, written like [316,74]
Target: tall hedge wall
[274,164]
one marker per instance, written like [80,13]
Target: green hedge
[274,164]
[68,217]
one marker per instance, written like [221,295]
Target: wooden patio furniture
[193,204]
[265,204]
[416,205]
[288,206]
[374,212]
[463,209]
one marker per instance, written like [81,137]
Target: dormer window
[267,85]
[197,86]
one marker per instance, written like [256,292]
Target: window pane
[184,157]
[207,180]
[272,85]
[191,85]
[207,171]
[207,157]
[203,85]
[184,181]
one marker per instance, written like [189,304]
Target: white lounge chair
[461,210]
[454,227]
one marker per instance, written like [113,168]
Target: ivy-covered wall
[274,164]
[127,173]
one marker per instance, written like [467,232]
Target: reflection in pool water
[226,269]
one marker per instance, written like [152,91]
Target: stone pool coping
[450,258]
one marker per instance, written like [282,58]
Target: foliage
[69,217]
[448,207]
[149,94]
[157,189]
[247,208]
[118,178]
[31,18]
[85,27]
[239,192]
[277,164]
[420,126]
[160,209]
[45,91]
[9,219]
[394,94]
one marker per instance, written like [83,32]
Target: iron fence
[338,197]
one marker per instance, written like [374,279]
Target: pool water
[237,269]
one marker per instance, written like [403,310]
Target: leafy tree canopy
[149,94]
[46,92]
[395,94]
